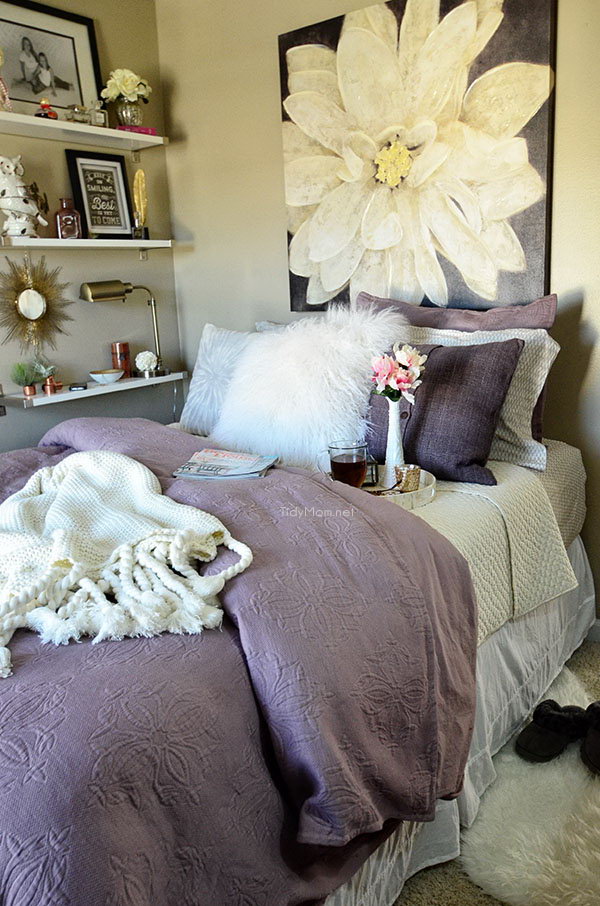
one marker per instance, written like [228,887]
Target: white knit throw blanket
[92,547]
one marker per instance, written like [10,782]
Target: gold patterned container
[408,478]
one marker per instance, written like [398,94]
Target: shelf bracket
[136,157]
[143,254]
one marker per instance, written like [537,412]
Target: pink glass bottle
[68,220]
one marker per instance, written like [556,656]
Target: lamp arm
[152,304]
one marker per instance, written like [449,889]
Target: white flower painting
[405,163]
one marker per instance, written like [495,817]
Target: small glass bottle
[46,111]
[98,115]
[68,220]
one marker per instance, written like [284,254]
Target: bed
[516,663]
[524,639]
[536,604]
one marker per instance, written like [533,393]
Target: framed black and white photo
[48,53]
[101,193]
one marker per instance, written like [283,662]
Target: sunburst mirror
[32,304]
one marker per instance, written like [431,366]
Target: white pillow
[262,326]
[513,441]
[296,390]
[218,352]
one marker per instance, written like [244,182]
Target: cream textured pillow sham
[513,441]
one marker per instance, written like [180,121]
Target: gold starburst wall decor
[32,304]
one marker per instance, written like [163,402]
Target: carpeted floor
[447,885]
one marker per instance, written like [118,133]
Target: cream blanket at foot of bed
[92,547]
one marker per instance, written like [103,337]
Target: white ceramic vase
[394,451]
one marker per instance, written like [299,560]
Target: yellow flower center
[393,164]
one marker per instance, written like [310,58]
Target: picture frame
[101,193]
[508,225]
[49,53]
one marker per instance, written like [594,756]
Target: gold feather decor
[140,196]
[36,276]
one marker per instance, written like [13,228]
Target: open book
[210,463]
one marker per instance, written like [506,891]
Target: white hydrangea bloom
[391,160]
[146,361]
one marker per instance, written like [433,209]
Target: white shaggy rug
[536,840]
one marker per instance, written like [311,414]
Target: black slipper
[590,747]
[551,730]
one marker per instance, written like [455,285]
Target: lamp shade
[104,291]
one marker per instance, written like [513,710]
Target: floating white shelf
[76,133]
[41,243]
[18,401]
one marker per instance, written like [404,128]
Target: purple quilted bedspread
[259,765]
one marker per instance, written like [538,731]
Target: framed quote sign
[101,193]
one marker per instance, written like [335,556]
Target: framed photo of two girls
[48,53]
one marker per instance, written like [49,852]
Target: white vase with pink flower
[396,377]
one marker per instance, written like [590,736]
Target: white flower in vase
[123,83]
[396,377]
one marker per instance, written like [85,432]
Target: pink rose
[385,368]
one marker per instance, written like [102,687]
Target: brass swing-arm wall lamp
[116,291]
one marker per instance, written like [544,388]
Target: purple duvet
[258,765]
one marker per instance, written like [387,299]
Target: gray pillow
[450,428]
[218,353]
[513,441]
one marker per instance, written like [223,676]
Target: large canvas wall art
[417,140]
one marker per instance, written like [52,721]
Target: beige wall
[574,397]
[220,67]
[126,32]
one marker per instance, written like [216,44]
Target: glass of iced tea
[348,462]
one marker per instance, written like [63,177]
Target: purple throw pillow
[450,428]
[534,315]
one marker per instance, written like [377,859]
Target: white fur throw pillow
[296,390]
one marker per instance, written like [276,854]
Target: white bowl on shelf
[108,376]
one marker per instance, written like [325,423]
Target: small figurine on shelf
[18,201]
[46,111]
[68,220]
[24,374]
[5,101]
[140,198]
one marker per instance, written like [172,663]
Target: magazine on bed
[213,464]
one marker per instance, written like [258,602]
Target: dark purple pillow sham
[450,428]
[535,315]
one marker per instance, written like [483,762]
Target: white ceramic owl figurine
[22,212]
